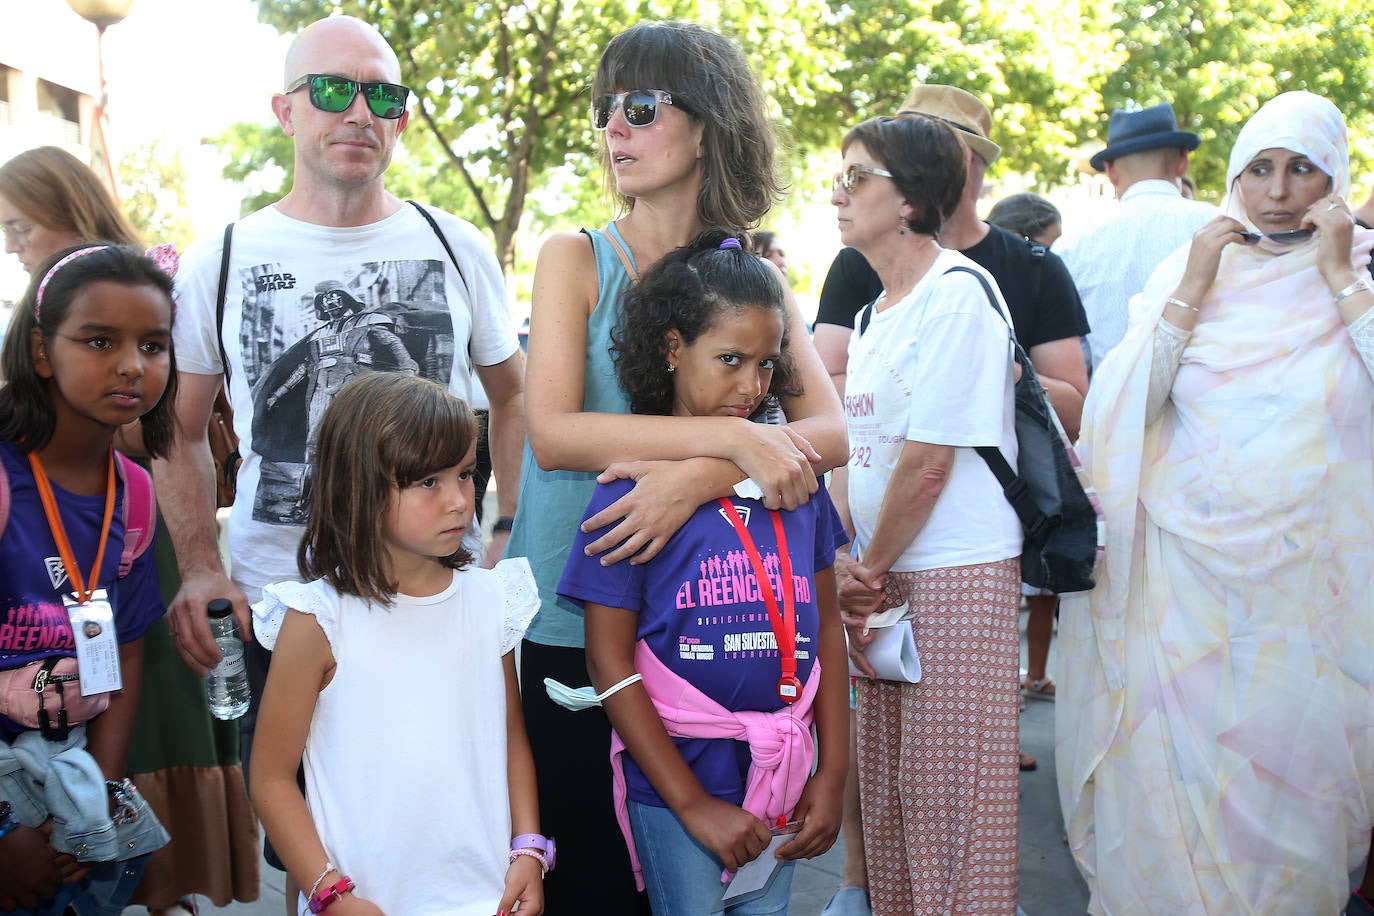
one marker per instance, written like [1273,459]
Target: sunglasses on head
[640,107]
[852,175]
[1287,237]
[335,93]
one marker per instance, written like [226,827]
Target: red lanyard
[59,533]
[784,621]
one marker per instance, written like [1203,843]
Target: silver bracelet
[1360,285]
[1180,303]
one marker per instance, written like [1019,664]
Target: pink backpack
[140,510]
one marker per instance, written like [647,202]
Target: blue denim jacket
[61,780]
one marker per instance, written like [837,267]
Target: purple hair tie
[731,243]
[52,271]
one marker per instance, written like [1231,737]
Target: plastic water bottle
[226,688]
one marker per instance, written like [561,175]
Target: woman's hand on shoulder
[1204,257]
[1335,226]
[525,883]
[638,524]
[778,459]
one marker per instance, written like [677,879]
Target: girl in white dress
[393,677]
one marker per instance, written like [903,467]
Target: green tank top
[552,503]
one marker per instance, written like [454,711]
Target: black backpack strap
[1015,489]
[866,316]
[439,233]
[219,301]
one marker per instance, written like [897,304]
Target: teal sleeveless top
[552,503]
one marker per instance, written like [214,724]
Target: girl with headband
[89,350]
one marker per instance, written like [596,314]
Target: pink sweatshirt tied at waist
[781,748]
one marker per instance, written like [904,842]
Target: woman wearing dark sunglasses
[1218,696]
[686,145]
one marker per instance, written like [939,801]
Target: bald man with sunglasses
[418,278]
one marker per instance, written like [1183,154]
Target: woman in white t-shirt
[930,378]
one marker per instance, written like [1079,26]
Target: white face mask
[577,699]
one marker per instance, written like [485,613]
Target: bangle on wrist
[1180,304]
[1360,285]
[537,845]
[330,895]
[328,867]
[534,854]
[504,523]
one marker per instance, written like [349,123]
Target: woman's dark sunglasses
[1287,237]
[335,93]
[639,105]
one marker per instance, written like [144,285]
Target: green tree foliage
[499,131]
[1218,61]
[262,158]
[153,195]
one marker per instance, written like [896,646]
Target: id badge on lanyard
[88,607]
[97,650]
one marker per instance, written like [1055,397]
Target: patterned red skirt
[938,778]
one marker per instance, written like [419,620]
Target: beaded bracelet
[534,854]
[7,819]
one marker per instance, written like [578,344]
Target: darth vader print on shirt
[301,345]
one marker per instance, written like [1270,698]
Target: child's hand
[732,833]
[819,810]
[525,883]
[29,869]
[351,904]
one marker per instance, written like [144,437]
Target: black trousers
[571,756]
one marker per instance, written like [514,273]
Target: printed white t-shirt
[307,308]
[935,367]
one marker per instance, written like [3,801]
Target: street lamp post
[102,14]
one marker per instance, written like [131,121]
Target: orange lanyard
[59,532]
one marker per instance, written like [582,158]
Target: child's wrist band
[328,867]
[534,854]
[330,895]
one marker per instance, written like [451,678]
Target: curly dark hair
[926,159]
[686,291]
[27,416]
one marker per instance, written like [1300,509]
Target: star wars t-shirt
[309,307]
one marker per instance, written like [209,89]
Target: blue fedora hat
[1136,131]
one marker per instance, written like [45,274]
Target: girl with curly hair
[730,639]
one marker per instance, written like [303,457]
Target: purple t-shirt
[33,621]
[701,613]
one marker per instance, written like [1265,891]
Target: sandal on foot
[1028,762]
[1038,688]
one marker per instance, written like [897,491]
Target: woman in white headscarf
[1216,721]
